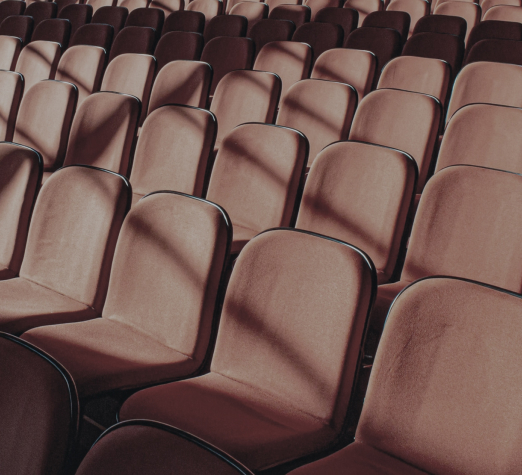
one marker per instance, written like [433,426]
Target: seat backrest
[364,7]
[245,96]
[406,121]
[290,60]
[179,45]
[299,14]
[10,48]
[55,29]
[132,5]
[41,11]
[320,36]
[39,409]
[78,209]
[135,446]
[484,135]
[77,14]
[103,131]
[257,175]
[448,48]
[415,8]
[396,20]
[384,43]
[170,257]
[498,51]
[226,54]
[10,8]
[209,8]
[19,26]
[96,4]
[324,288]
[133,39]
[361,193]
[186,20]
[12,87]
[173,151]
[471,12]
[38,61]
[94,35]
[318,5]
[443,244]
[487,4]
[226,25]
[421,404]
[252,11]
[83,66]
[20,177]
[168,6]
[504,13]
[351,66]
[322,110]
[44,120]
[494,29]
[449,25]
[131,74]
[347,18]
[276,3]
[114,16]
[151,17]
[488,83]
[181,82]
[416,74]
[268,30]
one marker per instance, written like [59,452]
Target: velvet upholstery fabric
[96,4]
[480,83]
[471,12]
[12,87]
[44,120]
[226,54]
[173,151]
[186,20]
[131,74]
[485,135]
[245,96]
[415,8]
[322,110]
[364,7]
[157,319]
[114,16]
[151,17]
[290,60]
[494,29]
[103,131]
[495,50]
[226,25]
[41,11]
[168,6]
[396,20]
[252,11]
[178,45]
[10,8]
[360,193]
[132,5]
[350,66]
[39,411]
[268,30]
[285,356]
[133,39]
[20,26]
[299,14]
[446,24]
[20,177]
[55,29]
[320,36]
[416,74]
[256,178]
[181,82]
[77,14]
[317,5]
[10,48]
[209,8]
[487,4]
[83,66]
[504,13]
[94,35]
[347,18]
[38,61]
[150,447]
[403,120]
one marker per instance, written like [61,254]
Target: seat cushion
[253,427]
[358,459]
[103,354]
[241,237]
[25,305]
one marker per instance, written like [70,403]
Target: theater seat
[41,11]
[10,48]
[133,39]
[495,50]
[39,411]
[78,208]
[286,355]
[12,87]
[94,35]
[185,20]
[268,30]
[417,9]
[178,45]
[252,11]
[137,447]
[20,177]
[38,61]
[77,14]
[320,36]
[317,5]
[111,15]
[19,26]
[11,8]
[299,14]
[445,24]
[226,25]
[364,7]
[494,29]
[55,29]
[471,12]
[504,13]
[257,177]
[361,193]
[209,8]
[164,294]
[395,20]
[346,18]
